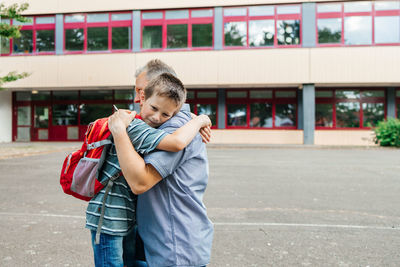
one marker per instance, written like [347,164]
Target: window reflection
[74,39]
[65,114]
[398,111]
[97,17]
[65,95]
[23,44]
[97,39]
[4,45]
[329,31]
[177,14]
[75,18]
[228,12]
[323,115]
[208,109]
[324,8]
[373,93]
[357,6]
[285,94]
[348,114]
[358,30]
[323,93]
[285,115]
[261,32]
[99,95]
[91,112]
[202,35]
[124,94]
[45,41]
[121,38]
[288,32]
[237,114]
[152,37]
[24,116]
[387,5]
[347,94]
[261,11]
[41,117]
[261,115]
[387,29]
[372,114]
[177,36]
[235,33]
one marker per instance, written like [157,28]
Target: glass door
[41,123]
[23,123]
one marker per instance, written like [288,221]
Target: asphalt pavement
[271,206]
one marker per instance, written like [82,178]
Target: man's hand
[205,130]
[118,122]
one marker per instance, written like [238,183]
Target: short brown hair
[166,85]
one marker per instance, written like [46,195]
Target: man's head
[162,98]
[152,69]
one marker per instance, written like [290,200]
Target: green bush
[388,133]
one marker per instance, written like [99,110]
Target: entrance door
[23,119]
[40,123]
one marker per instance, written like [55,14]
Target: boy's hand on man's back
[205,130]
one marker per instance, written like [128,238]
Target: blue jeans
[115,251]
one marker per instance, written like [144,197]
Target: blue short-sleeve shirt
[172,219]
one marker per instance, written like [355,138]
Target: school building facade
[267,72]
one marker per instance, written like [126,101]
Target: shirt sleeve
[143,137]
[167,162]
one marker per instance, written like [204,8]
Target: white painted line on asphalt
[42,215]
[228,223]
[309,225]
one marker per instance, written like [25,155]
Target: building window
[92,112]
[23,44]
[98,32]
[358,23]
[63,115]
[177,29]
[329,23]
[204,102]
[398,103]
[348,108]
[262,26]
[37,37]
[266,108]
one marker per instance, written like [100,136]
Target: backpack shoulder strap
[103,206]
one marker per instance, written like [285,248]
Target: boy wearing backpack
[162,98]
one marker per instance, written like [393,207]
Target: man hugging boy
[111,216]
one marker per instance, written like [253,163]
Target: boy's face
[157,109]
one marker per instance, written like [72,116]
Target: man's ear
[141,96]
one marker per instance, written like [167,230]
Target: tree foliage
[387,133]
[10,31]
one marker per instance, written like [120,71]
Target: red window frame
[205,101]
[342,15]
[274,101]
[110,24]
[276,17]
[334,100]
[34,27]
[163,22]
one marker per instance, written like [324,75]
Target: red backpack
[80,169]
